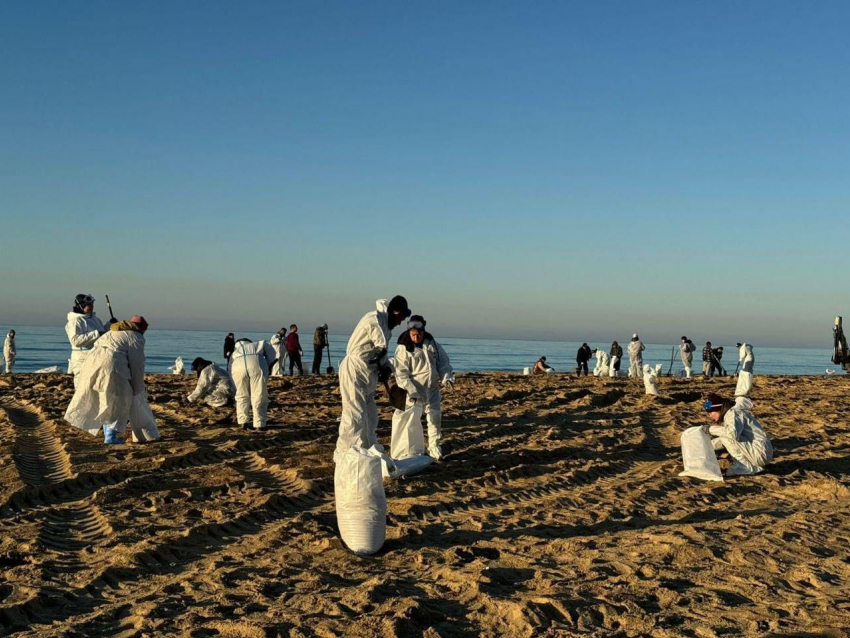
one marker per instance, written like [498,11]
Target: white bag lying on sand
[745,384]
[406,467]
[650,380]
[550,370]
[526,371]
[361,504]
[142,420]
[178,367]
[698,455]
[50,370]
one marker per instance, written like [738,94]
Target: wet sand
[557,512]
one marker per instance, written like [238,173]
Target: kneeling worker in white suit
[740,433]
[214,384]
[249,367]
[421,365]
[365,364]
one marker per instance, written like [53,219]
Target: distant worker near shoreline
[636,349]
[687,350]
[320,342]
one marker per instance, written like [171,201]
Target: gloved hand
[448,380]
[111,321]
[384,373]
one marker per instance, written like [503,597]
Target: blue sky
[553,170]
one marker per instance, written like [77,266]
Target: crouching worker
[421,365]
[110,378]
[541,367]
[740,433]
[249,367]
[214,385]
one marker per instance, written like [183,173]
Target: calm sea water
[41,347]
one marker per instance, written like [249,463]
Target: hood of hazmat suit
[112,374]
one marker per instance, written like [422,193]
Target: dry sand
[557,512]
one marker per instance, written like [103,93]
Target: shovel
[330,368]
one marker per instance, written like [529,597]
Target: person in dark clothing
[582,357]
[616,355]
[716,356]
[229,345]
[293,349]
[707,367]
[320,342]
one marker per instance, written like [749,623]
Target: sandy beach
[557,512]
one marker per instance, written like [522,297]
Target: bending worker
[582,357]
[541,367]
[112,374]
[421,366]
[249,367]
[214,384]
[83,329]
[10,351]
[365,364]
[636,349]
[740,433]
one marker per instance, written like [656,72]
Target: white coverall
[745,356]
[420,373]
[249,368]
[9,353]
[636,358]
[279,345]
[214,385]
[358,381]
[687,358]
[744,438]
[111,375]
[83,331]
[602,361]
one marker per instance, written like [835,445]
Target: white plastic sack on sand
[50,370]
[745,384]
[412,465]
[142,420]
[611,371]
[550,370]
[658,368]
[178,367]
[698,456]
[361,504]
[650,380]
[407,436]
[526,371]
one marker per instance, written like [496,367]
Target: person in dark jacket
[320,342]
[293,350]
[229,345]
[582,357]
[616,355]
[707,367]
[716,356]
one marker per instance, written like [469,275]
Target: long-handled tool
[330,369]
[109,305]
[672,354]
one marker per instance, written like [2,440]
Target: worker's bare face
[88,309]
[714,416]
[417,336]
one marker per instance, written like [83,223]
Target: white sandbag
[178,367]
[698,456]
[50,370]
[745,384]
[361,504]
[612,372]
[650,380]
[142,420]
[550,370]
[526,371]
[408,466]
[407,436]
[658,368]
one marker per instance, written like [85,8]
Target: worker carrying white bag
[738,431]
[361,503]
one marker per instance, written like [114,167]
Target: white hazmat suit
[112,374]
[249,368]
[602,363]
[83,331]
[687,352]
[420,370]
[214,386]
[636,349]
[744,438]
[745,356]
[10,352]
[278,342]
[358,381]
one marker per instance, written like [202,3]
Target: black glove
[111,321]
[384,373]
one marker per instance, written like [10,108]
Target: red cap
[139,320]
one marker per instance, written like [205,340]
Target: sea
[42,347]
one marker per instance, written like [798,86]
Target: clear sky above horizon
[546,170]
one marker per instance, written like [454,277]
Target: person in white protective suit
[686,349]
[636,349]
[746,357]
[740,433]
[249,367]
[278,342]
[421,367]
[602,363]
[111,376]
[83,329]
[364,365]
[214,386]
[10,351]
